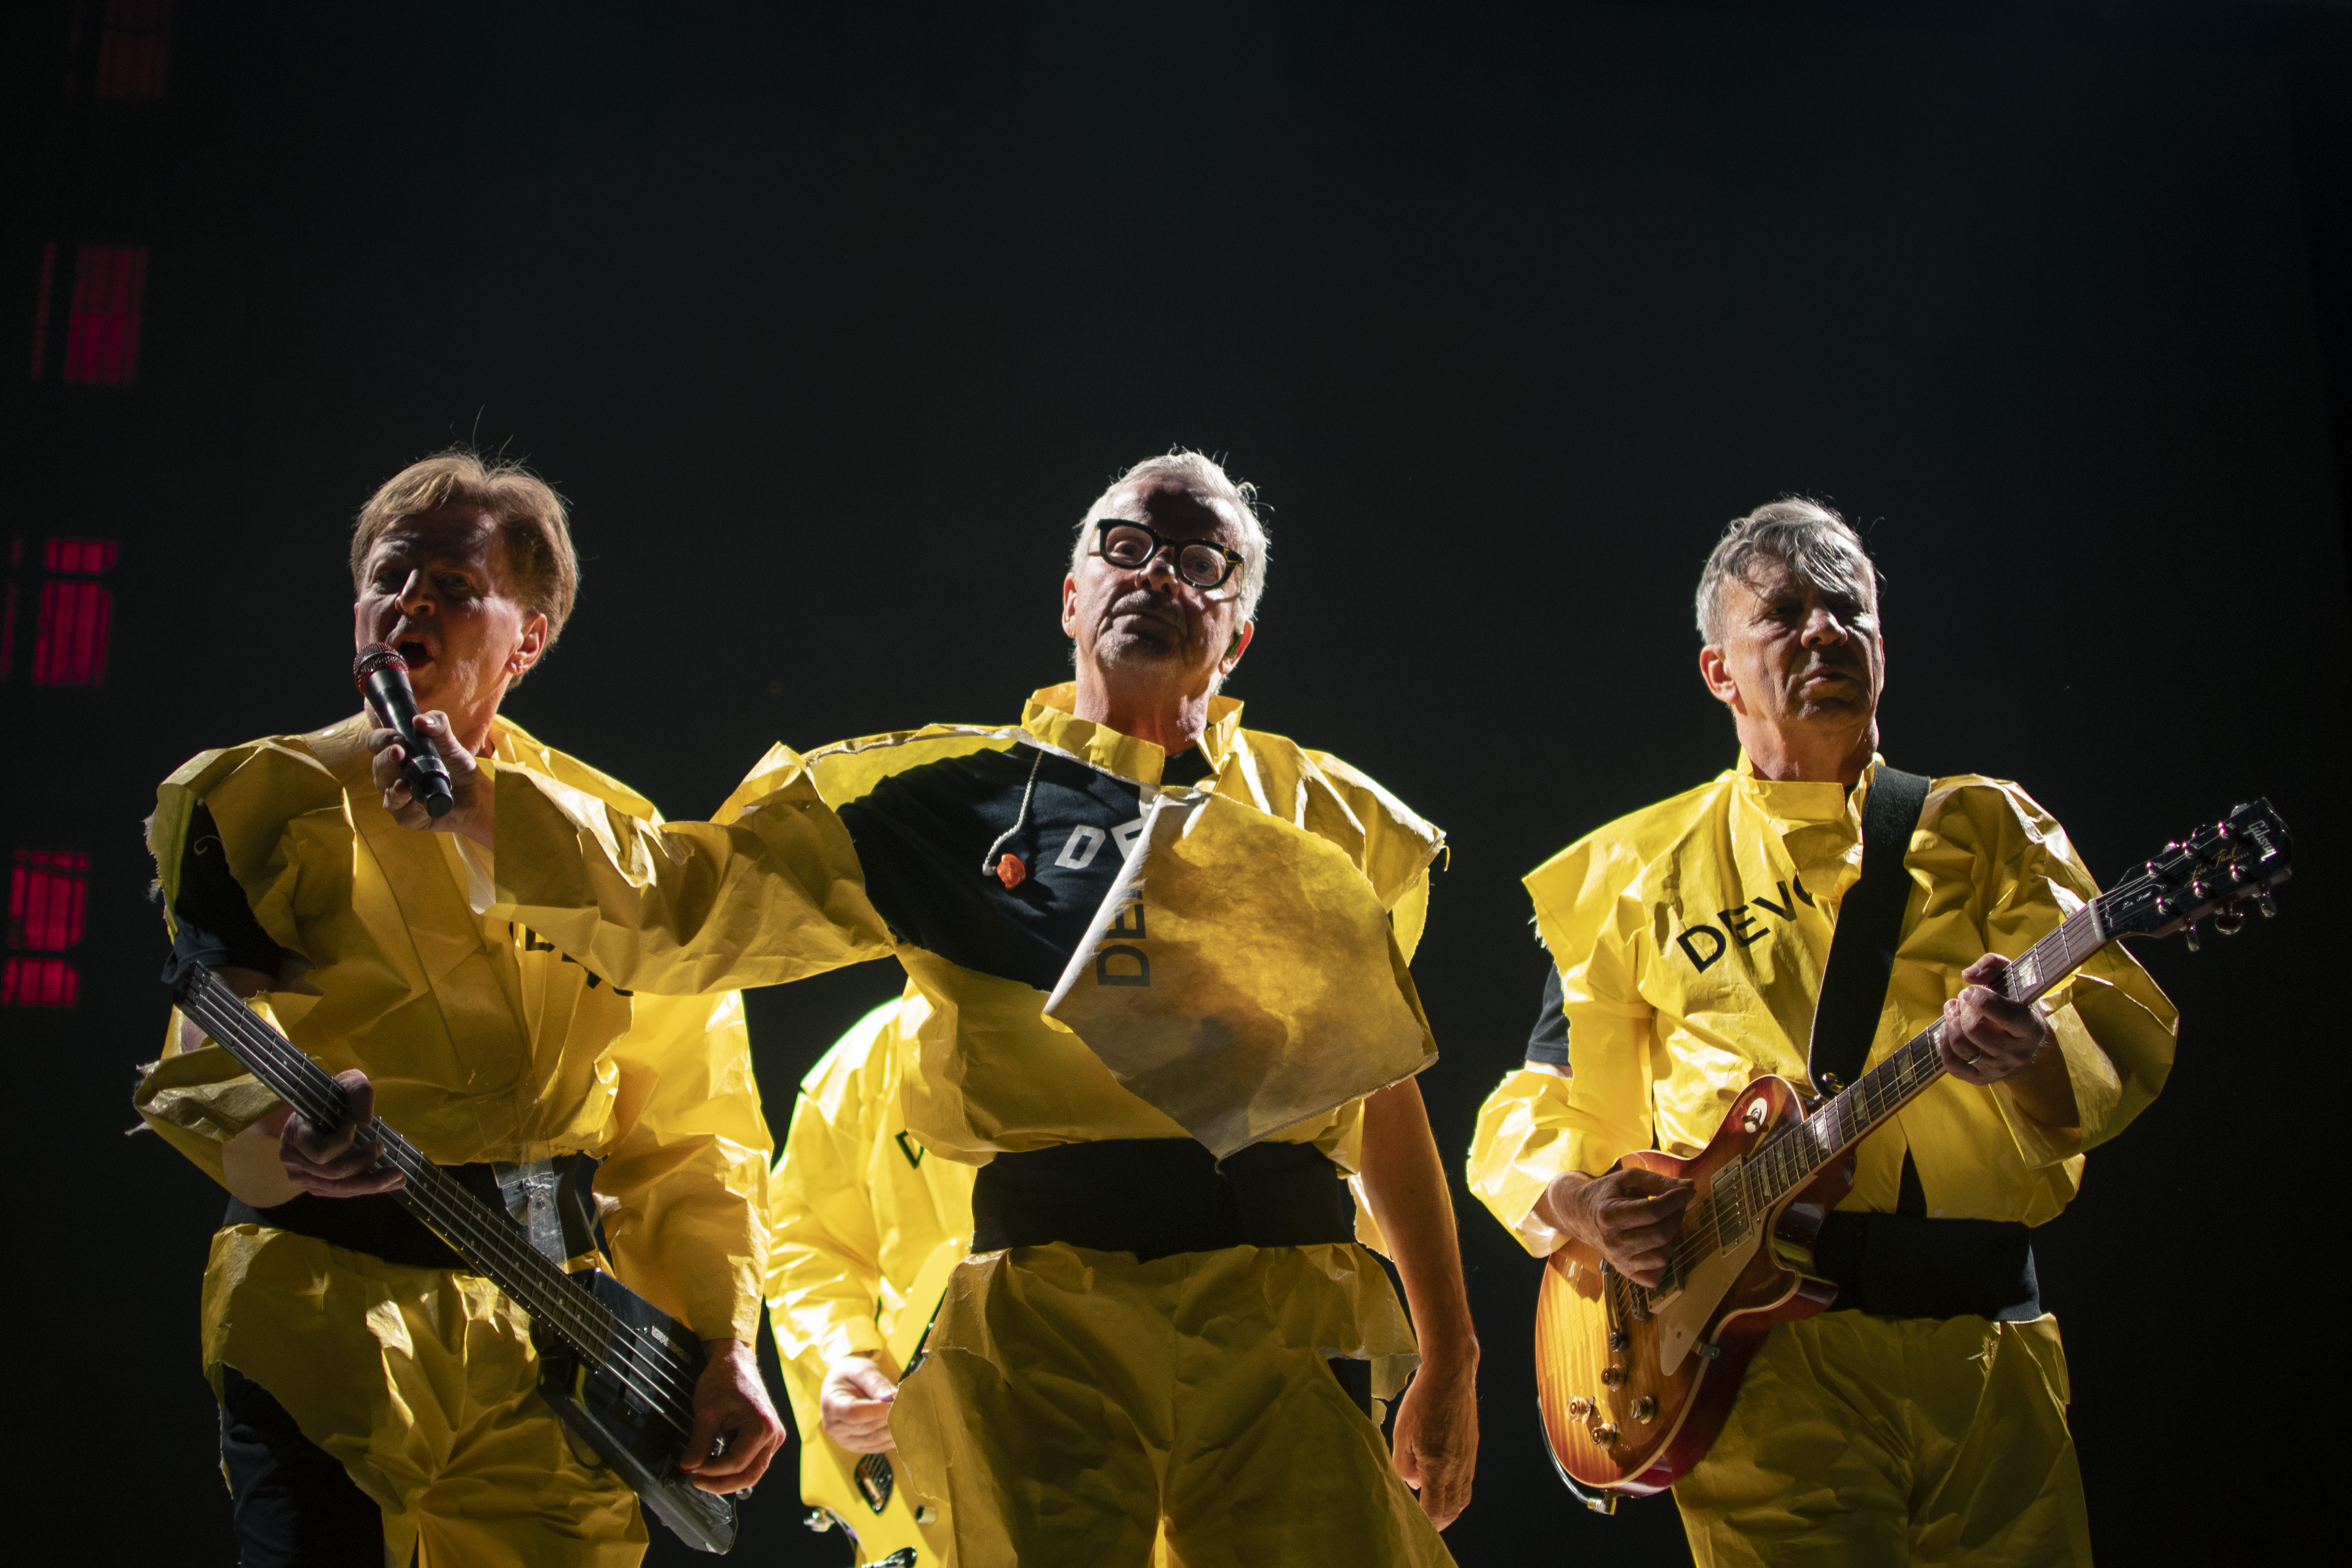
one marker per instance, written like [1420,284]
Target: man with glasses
[1146,1332]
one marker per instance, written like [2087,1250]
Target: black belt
[1908,1265]
[380,1226]
[1156,1197]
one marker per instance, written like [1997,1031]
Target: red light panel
[39,982]
[69,642]
[47,896]
[83,557]
[102,324]
[133,47]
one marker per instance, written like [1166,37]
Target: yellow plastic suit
[1690,939]
[1070,1400]
[858,1214]
[484,1043]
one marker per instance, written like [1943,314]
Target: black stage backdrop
[830,325]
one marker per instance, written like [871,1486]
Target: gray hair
[1205,477]
[1803,535]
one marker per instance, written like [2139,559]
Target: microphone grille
[374,657]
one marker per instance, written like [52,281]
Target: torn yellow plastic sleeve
[771,890]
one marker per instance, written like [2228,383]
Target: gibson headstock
[2217,870]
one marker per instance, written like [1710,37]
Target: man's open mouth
[414,652]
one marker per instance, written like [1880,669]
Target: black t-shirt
[216,928]
[922,836]
[1548,1042]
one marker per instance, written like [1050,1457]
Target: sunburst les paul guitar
[1634,1382]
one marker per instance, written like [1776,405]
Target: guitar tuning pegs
[2190,930]
[2230,922]
[2268,905]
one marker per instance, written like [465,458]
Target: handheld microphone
[381,677]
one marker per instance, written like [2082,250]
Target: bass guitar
[1635,1381]
[619,1371]
[888,1525]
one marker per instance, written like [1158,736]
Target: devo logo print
[1105,973]
[1703,945]
[1085,842]
[532,942]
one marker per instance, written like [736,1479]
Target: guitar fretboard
[1793,1157]
[492,1244]
[1799,1152]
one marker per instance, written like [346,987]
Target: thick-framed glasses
[1129,546]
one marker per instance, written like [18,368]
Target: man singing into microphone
[377,1400]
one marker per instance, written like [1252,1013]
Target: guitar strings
[322,1111]
[1908,1070]
[1798,1152]
[578,1316]
[569,1310]
[1795,1154]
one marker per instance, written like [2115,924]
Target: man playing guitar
[1923,1417]
[862,1223]
[379,1399]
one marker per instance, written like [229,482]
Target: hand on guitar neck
[336,1162]
[1634,1217]
[329,1165]
[1987,1039]
[735,1433]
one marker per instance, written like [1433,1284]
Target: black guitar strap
[1905,1264]
[1869,925]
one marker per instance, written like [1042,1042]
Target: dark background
[830,324]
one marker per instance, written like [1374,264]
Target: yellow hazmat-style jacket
[857,1210]
[855,1206]
[484,1040]
[1690,939]
[874,846]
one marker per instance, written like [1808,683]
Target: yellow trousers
[1875,1442]
[424,1385]
[1072,1402]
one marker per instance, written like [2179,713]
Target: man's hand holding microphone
[430,781]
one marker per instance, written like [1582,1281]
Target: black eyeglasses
[1203,562]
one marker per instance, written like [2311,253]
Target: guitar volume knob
[1645,1410]
[1579,1408]
[1605,1434]
[1613,1377]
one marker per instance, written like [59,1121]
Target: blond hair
[1801,533]
[529,515]
[1207,479]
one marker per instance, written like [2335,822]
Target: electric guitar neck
[620,1372]
[1635,1381]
